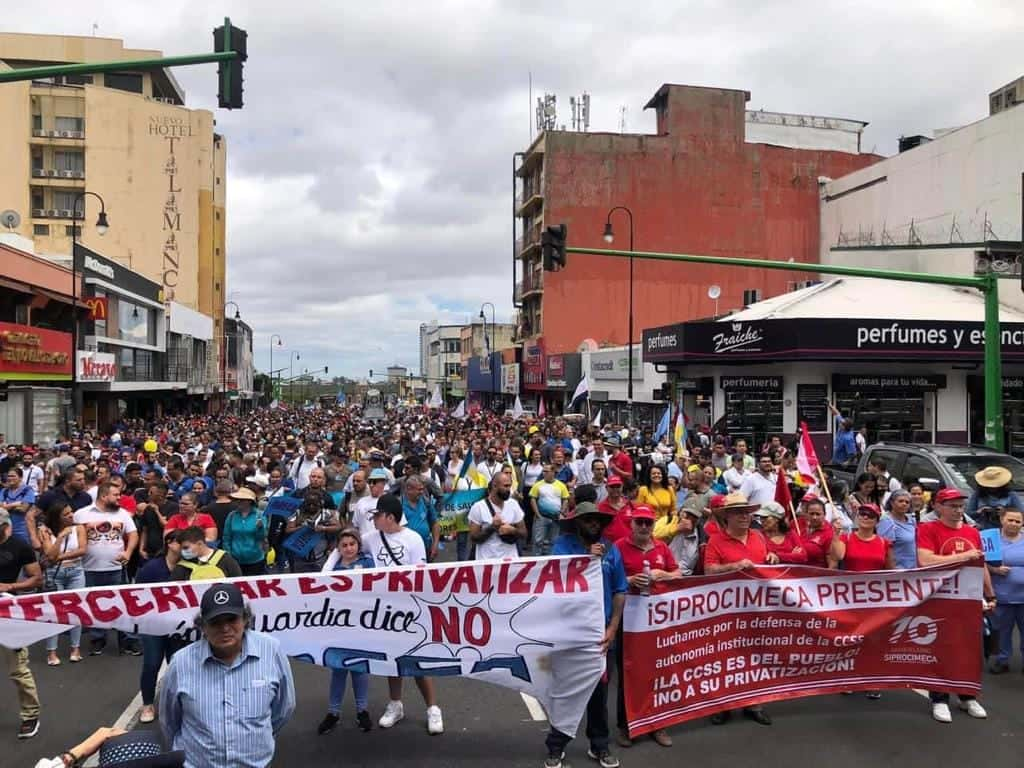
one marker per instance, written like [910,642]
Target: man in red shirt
[620,507]
[619,463]
[736,549]
[948,541]
[638,550]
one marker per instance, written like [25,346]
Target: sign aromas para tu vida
[532,625]
[745,638]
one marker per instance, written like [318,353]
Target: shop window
[892,415]
[753,415]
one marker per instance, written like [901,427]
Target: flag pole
[796,523]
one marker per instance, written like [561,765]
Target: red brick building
[715,179]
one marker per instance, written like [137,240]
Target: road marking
[533,706]
[130,717]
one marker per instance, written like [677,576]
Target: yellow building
[127,136]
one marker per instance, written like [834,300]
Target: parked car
[934,466]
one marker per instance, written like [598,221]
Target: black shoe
[758,715]
[998,667]
[328,724]
[97,646]
[28,728]
[363,721]
[131,649]
[720,718]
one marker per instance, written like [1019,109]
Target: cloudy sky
[369,184]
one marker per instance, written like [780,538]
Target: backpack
[207,570]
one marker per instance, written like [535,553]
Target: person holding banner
[584,529]
[815,533]
[944,542]
[1007,573]
[899,527]
[782,542]
[737,548]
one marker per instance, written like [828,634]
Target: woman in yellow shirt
[656,494]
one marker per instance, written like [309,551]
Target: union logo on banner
[97,307]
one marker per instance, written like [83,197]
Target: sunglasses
[643,522]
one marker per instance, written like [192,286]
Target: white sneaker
[393,712]
[940,712]
[974,709]
[435,724]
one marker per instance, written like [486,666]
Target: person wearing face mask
[200,561]
[111,538]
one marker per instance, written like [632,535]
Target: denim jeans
[105,579]
[360,689]
[65,577]
[155,649]
[545,531]
[1008,616]
[462,546]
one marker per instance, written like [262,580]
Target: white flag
[460,410]
[435,399]
[597,420]
[517,409]
[582,390]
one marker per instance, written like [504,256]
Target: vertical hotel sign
[173,130]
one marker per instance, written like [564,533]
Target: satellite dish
[714,291]
[10,219]
[588,345]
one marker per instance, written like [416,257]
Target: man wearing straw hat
[992,496]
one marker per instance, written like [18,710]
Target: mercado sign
[96,366]
[29,353]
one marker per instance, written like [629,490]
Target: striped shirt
[225,716]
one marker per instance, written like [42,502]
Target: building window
[100,326]
[452,346]
[73,231]
[69,161]
[37,199]
[78,79]
[41,229]
[70,124]
[453,370]
[751,296]
[64,200]
[134,322]
[37,161]
[124,81]
[37,122]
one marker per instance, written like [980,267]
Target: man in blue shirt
[420,514]
[584,526]
[226,696]
[844,449]
[992,495]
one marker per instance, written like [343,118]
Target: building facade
[128,137]
[441,359]
[701,184]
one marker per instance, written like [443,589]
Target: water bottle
[647,572]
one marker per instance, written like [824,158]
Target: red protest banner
[734,640]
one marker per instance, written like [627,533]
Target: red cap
[614,480]
[948,494]
[717,501]
[643,512]
[808,497]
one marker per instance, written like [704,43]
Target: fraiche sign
[97,366]
[735,640]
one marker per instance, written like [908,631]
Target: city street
[485,725]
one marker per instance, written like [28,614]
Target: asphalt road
[487,726]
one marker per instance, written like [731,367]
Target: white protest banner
[534,625]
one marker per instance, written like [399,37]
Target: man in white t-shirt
[363,511]
[393,545]
[304,464]
[497,524]
[759,487]
[111,538]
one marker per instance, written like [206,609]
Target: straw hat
[993,477]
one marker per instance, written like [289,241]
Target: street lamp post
[224,361]
[487,346]
[272,337]
[609,237]
[101,229]
[292,357]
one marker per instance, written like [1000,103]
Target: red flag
[806,458]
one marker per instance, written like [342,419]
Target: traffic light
[325,369]
[229,73]
[552,245]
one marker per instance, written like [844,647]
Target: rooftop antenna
[95,27]
[622,119]
[580,107]
[547,108]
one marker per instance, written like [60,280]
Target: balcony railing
[53,173]
[530,239]
[41,133]
[517,292]
[533,280]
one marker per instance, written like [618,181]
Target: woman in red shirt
[784,543]
[188,515]
[863,550]
[815,533]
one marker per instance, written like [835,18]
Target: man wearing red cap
[947,541]
[737,548]
[650,567]
[619,508]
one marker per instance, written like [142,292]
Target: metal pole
[38,73]
[988,285]
[994,435]
[629,371]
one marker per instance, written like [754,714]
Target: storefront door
[1013,412]
[891,407]
[753,408]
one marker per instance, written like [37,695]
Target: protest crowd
[321,490]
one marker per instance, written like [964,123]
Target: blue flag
[663,425]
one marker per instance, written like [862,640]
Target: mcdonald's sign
[97,307]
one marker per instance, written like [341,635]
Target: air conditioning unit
[39,133]
[38,213]
[51,171]
[65,134]
[51,212]
[77,134]
[65,213]
[53,134]
[37,172]
[69,174]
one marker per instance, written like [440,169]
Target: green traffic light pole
[38,73]
[987,284]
